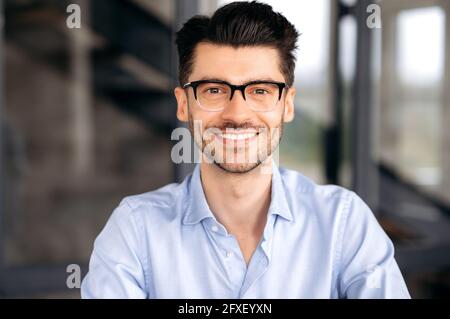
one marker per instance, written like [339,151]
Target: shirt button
[214,228]
[228,254]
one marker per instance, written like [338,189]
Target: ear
[289,108]
[182,104]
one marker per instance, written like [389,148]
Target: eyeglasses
[260,96]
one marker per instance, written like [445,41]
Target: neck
[239,201]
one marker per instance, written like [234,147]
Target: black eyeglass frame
[195,84]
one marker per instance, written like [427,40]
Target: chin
[238,168]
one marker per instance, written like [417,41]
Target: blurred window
[412,127]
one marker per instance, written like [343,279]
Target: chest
[214,266]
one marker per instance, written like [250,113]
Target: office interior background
[86,116]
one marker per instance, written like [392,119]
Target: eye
[213,90]
[260,91]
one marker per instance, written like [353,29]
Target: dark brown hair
[239,24]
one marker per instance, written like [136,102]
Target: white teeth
[238,136]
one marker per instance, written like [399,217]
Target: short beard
[273,143]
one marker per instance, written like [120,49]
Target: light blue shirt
[318,242]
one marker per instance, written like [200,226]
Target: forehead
[236,65]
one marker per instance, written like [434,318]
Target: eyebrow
[243,82]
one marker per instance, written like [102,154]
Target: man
[240,227]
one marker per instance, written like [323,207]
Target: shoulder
[331,203]
[165,196]
[330,206]
[296,184]
[164,202]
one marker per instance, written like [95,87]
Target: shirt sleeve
[367,268]
[115,269]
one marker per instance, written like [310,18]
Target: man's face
[237,138]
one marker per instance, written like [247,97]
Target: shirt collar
[279,204]
[197,207]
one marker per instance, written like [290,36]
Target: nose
[236,109]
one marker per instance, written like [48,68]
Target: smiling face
[237,138]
